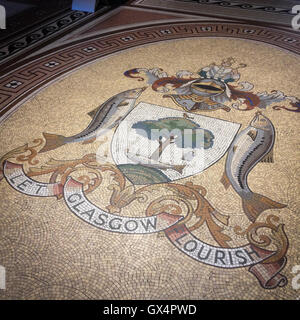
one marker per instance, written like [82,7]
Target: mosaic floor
[96,207]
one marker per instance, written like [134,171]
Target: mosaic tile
[214,241]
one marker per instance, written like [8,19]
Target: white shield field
[130,146]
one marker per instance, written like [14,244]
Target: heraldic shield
[155,144]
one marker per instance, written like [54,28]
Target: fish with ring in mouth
[104,118]
[251,146]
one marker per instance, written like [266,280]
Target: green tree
[185,133]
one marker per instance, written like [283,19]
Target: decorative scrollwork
[182,197]
[187,200]
[277,237]
[122,197]
[33,153]
[20,154]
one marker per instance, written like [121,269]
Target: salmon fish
[104,118]
[251,146]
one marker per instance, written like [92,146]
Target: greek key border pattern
[39,34]
[18,84]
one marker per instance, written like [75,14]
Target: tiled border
[235,4]
[40,33]
[23,43]
[36,73]
[249,11]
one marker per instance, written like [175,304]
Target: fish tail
[53,141]
[257,204]
[179,168]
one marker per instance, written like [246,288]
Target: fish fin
[252,134]
[93,112]
[257,204]
[268,157]
[179,168]
[89,141]
[53,141]
[123,104]
[225,181]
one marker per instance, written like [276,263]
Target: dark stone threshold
[41,12]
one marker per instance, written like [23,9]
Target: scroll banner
[249,255]
[268,274]
[84,209]
[17,178]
